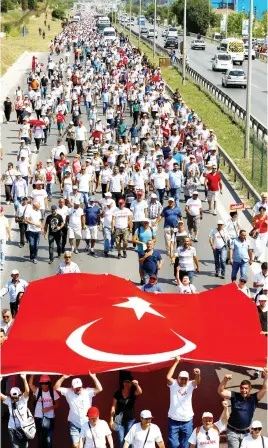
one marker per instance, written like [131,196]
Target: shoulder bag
[254,233]
[146,437]
[27,427]
[21,218]
[93,438]
[119,417]
[47,423]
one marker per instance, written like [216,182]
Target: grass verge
[230,136]
[12,16]
[14,45]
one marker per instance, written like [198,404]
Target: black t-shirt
[242,410]
[126,408]
[44,82]
[263,319]
[53,222]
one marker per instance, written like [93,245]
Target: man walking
[33,218]
[54,224]
[121,226]
[241,255]
[219,241]
[194,213]
[90,222]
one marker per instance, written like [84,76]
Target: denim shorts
[74,433]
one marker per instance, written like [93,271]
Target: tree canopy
[198,15]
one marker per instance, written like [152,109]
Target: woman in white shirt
[17,406]
[8,177]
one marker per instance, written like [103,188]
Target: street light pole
[130,8]
[248,104]
[140,25]
[184,43]
[226,21]
[154,27]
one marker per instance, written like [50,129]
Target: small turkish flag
[101,322]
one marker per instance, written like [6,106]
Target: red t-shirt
[60,118]
[59,165]
[213,181]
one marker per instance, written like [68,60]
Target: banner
[73,323]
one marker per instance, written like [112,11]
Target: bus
[141,20]
[234,47]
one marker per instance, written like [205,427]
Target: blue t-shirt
[150,263]
[151,288]
[92,215]
[178,157]
[171,216]
[144,236]
[242,410]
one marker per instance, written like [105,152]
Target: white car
[198,44]
[164,32]
[235,77]
[150,33]
[222,61]
[253,52]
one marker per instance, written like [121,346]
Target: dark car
[171,42]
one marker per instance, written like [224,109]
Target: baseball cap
[76,382]
[121,201]
[76,202]
[38,182]
[170,199]
[49,161]
[262,297]
[153,196]
[220,222]
[109,201]
[183,374]
[207,414]
[108,193]
[53,207]
[256,424]
[264,194]
[15,392]
[15,272]
[91,199]
[243,278]
[44,378]
[93,412]
[195,192]
[146,414]
[153,276]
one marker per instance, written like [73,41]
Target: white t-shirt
[260,278]
[138,209]
[83,182]
[75,222]
[100,431]
[105,176]
[121,217]
[80,133]
[115,183]
[79,404]
[159,180]
[35,217]
[249,442]
[47,402]
[72,268]
[180,408]
[108,214]
[194,206]
[3,226]
[201,440]
[39,196]
[136,436]
[186,260]
[187,289]
[21,407]
[220,238]
[63,211]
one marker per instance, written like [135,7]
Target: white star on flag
[140,307]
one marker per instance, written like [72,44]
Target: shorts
[67,194]
[121,234]
[212,195]
[72,234]
[43,214]
[97,174]
[193,222]
[60,126]
[90,233]
[74,433]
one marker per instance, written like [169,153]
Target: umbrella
[37,122]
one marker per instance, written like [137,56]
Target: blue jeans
[108,239]
[179,433]
[242,265]
[88,106]
[160,195]
[2,251]
[123,430]
[84,195]
[44,435]
[34,238]
[49,189]
[44,91]
[175,193]
[68,105]
[220,256]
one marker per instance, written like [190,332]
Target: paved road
[201,61]
[206,398]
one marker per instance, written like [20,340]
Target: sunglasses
[6,317]
[46,383]
[257,429]
[207,436]
[67,257]
[16,396]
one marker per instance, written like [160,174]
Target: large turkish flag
[78,322]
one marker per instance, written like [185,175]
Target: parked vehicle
[235,77]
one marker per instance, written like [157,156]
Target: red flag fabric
[78,322]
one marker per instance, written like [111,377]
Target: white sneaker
[214,213]
[206,199]
[8,203]
[72,249]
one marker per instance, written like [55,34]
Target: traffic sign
[24,31]
[238,206]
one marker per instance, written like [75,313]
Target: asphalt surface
[201,61]
[156,396]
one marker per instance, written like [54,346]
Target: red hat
[39,164]
[106,163]
[121,201]
[93,412]
[137,165]
[44,379]
[139,193]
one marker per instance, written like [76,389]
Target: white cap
[49,161]
[76,202]
[171,199]
[262,296]
[220,222]
[108,194]
[195,192]
[38,182]
[75,187]
[153,196]
[183,374]
[256,424]
[109,201]
[146,414]
[14,272]
[76,382]
[15,392]
[121,165]
[207,414]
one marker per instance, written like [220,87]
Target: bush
[7,27]
[58,14]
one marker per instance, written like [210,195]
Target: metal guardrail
[239,113]
[227,161]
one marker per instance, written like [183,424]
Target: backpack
[49,176]
[39,395]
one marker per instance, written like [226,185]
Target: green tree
[31,4]
[265,22]
[197,15]
[234,23]
[24,5]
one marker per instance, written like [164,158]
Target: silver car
[198,44]
[234,77]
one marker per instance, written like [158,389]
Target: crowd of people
[118,179]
